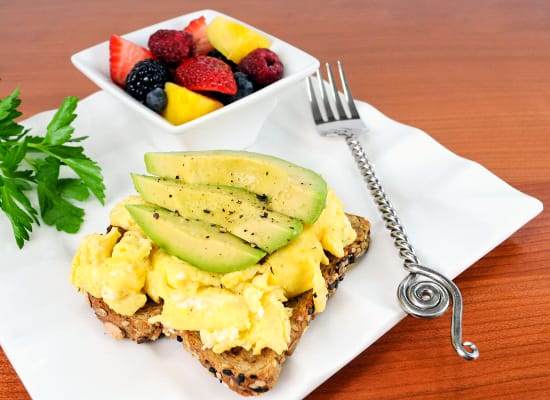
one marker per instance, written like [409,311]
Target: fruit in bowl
[187,73]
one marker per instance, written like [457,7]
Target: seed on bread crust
[257,383]
[113,330]
[100,312]
[261,389]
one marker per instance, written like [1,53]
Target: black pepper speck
[262,197]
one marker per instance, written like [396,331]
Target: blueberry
[244,85]
[156,100]
[244,88]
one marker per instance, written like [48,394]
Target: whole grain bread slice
[239,369]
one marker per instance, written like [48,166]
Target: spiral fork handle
[424,293]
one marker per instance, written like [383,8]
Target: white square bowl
[234,126]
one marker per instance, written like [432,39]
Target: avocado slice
[240,212]
[291,190]
[194,241]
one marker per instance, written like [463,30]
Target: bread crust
[239,369]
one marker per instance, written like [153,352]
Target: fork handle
[424,293]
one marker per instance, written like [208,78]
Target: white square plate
[455,211]
[242,118]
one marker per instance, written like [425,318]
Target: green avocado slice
[288,189]
[195,241]
[240,212]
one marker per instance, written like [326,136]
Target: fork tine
[347,92]
[317,116]
[326,104]
[335,94]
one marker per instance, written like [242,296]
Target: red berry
[197,28]
[262,66]
[206,73]
[123,55]
[171,46]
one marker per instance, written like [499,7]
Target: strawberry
[205,73]
[197,28]
[123,56]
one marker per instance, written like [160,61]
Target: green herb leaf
[46,156]
[54,209]
[73,189]
[87,169]
[59,129]
[8,114]
[19,210]
[11,159]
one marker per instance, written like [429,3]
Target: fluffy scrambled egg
[237,309]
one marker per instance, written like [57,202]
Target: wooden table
[475,74]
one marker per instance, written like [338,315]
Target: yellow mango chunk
[185,105]
[234,40]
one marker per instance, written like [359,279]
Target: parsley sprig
[30,163]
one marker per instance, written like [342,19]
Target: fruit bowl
[234,126]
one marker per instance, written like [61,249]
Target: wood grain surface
[475,74]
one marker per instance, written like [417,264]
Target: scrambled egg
[243,308]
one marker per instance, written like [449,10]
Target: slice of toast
[239,369]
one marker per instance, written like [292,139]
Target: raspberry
[262,66]
[144,77]
[171,46]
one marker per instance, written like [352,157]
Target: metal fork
[424,292]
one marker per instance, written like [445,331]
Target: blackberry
[144,77]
